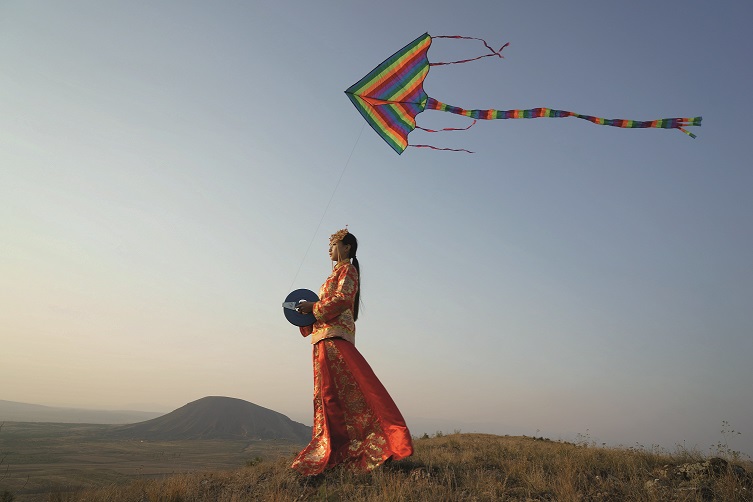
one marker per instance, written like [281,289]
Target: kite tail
[533,113]
[448,128]
[445,129]
[445,149]
[492,52]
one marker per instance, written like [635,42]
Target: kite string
[331,198]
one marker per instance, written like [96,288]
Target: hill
[217,417]
[470,467]
[11,411]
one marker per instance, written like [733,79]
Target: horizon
[434,426]
[166,168]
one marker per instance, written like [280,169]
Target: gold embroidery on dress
[366,440]
[316,452]
[366,437]
[334,311]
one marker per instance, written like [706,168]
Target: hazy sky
[164,167]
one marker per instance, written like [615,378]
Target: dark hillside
[217,418]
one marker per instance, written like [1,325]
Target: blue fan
[291,302]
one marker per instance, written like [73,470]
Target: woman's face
[339,251]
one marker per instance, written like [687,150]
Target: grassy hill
[466,467]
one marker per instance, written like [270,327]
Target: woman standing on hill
[356,421]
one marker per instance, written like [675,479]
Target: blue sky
[165,165]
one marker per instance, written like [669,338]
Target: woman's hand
[305,307]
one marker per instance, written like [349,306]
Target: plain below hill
[11,411]
[217,417]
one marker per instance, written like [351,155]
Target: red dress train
[356,422]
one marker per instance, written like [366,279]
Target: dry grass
[464,467]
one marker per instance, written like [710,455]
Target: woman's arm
[343,297]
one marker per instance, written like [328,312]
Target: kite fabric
[392,94]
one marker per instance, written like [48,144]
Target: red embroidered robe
[356,422]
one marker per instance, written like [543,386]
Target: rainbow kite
[392,94]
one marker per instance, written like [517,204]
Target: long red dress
[356,422]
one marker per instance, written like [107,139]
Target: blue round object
[293,316]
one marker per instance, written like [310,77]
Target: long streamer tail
[533,113]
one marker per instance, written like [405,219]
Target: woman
[355,420]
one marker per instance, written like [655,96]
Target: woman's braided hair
[350,240]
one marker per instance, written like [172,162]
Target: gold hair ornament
[338,236]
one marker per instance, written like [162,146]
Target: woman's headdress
[338,236]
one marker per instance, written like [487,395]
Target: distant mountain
[11,411]
[217,418]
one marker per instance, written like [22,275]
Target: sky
[170,171]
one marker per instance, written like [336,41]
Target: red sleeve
[342,299]
[306,330]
